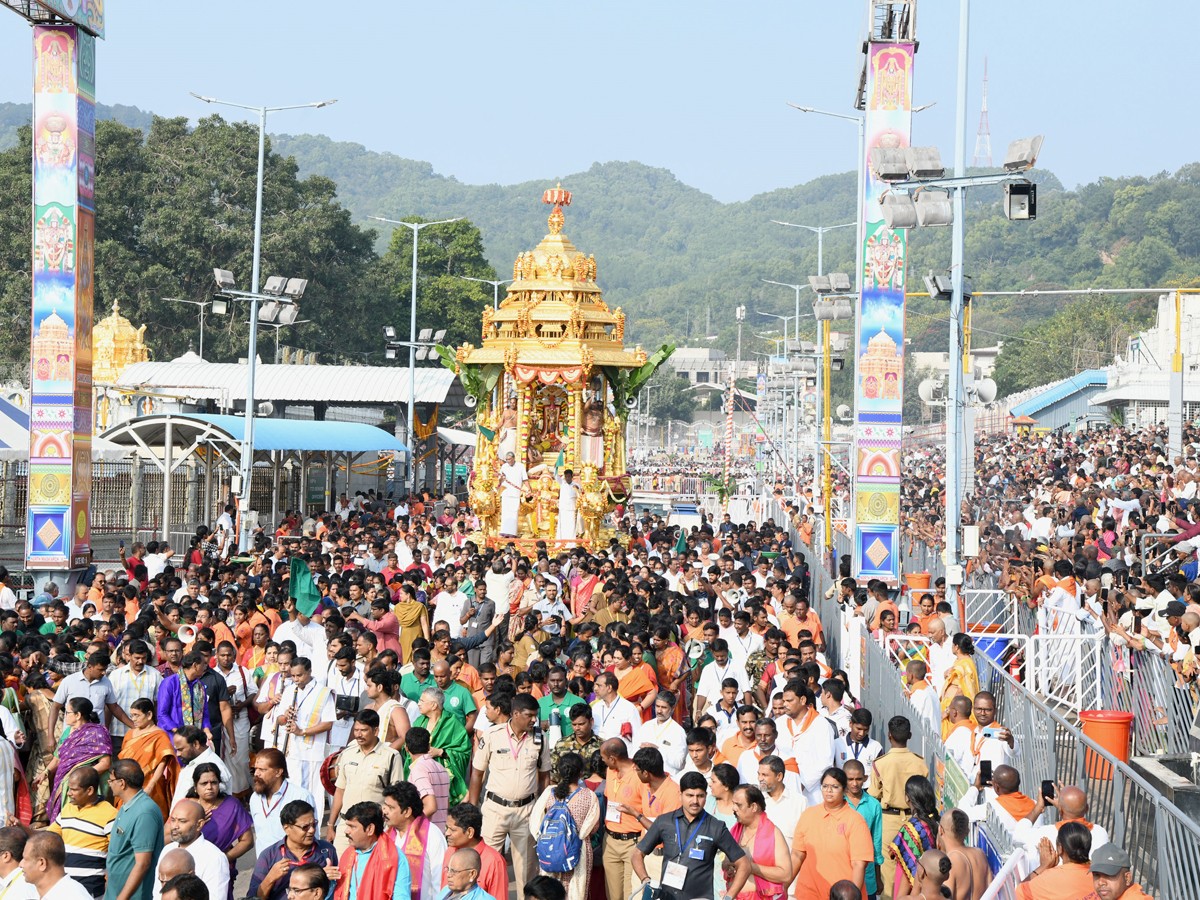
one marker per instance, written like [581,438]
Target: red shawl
[379,876]
[763,855]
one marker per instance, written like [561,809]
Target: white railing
[1066,669]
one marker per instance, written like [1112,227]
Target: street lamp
[415,227]
[495,287]
[200,303]
[426,341]
[277,301]
[248,432]
[833,303]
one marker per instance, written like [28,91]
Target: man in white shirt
[785,802]
[13,885]
[309,715]
[514,483]
[921,694]
[832,692]
[568,502]
[307,635]
[811,740]
[941,652]
[858,743]
[766,736]
[743,642]
[212,866]
[701,752]
[708,689]
[44,866]
[225,533]
[448,607]
[133,681]
[346,680]
[664,734]
[613,714]
[273,790]
[156,560]
[242,689]
[193,749]
[8,598]
[549,607]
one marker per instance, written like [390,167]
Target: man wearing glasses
[462,877]
[282,861]
[308,882]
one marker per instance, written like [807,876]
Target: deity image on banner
[54,146]
[883,263]
[54,240]
[55,64]
[891,79]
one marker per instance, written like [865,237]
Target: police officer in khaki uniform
[891,773]
[364,769]
[517,760]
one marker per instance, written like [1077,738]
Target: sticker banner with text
[879,354]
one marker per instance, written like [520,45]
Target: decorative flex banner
[60,422]
[879,354]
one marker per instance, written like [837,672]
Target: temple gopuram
[553,385]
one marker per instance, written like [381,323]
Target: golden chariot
[554,384]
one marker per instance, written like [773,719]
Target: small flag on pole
[301,587]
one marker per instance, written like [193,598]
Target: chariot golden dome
[554,312]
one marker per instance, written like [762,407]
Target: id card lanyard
[684,844]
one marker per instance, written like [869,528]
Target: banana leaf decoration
[626,383]
[477,381]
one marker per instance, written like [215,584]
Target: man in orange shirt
[622,821]
[660,793]
[734,747]
[1063,872]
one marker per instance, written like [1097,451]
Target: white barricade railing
[989,607]
[1004,883]
[901,649]
[1066,669]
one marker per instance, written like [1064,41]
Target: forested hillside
[673,256]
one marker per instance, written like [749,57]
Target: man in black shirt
[690,839]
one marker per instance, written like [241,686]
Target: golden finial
[558,198]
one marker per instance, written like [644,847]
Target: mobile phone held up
[985,772]
[1048,789]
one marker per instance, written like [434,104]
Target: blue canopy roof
[269,434]
[1060,391]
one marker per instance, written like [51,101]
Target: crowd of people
[368,704]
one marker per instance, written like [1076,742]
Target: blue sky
[501,92]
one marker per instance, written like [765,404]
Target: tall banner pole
[58,537]
[879,354]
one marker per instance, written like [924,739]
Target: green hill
[672,256]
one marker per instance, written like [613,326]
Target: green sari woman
[448,741]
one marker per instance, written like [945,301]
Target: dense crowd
[367,704]
[1097,531]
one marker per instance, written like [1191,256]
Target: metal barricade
[1163,843]
[1065,669]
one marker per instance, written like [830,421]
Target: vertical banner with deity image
[60,422]
[879,355]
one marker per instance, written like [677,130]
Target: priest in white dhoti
[568,506]
[664,734]
[514,484]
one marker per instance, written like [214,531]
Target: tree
[669,396]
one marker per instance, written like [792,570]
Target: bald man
[462,877]
[210,863]
[941,652]
[845,890]
[44,865]
[1072,805]
[175,862]
[933,871]
[969,869]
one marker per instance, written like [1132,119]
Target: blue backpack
[560,846]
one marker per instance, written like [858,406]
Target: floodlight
[389,332]
[839,342]
[1020,201]
[295,288]
[899,210]
[220,306]
[820,284]
[425,334]
[225,280]
[274,286]
[889,164]
[940,287]
[1022,154]
[389,352]
[833,308]
[836,364]
[268,311]
[839,282]
[439,336]
[287,315]
[924,163]
[933,208]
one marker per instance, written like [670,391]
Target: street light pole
[415,227]
[203,304]
[495,287]
[247,450]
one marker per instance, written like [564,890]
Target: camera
[346,705]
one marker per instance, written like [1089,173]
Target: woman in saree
[253,656]
[581,595]
[673,673]
[961,678]
[449,743]
[918,834]
[85,742]
[150,747]
[633,682]
[227,825]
